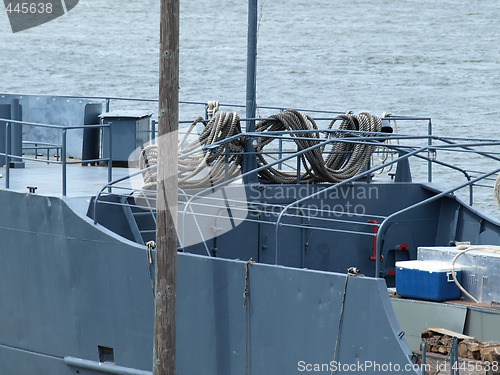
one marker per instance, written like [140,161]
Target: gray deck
[82,181]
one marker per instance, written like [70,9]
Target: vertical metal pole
[110,161]
[298,168]
[249,159]
[455,356]
[63,157]
[226,162]
[153,129]
[107,105]
[424,353]
[16,134]
[7,155]
[280,153]
[167,186]
[429,142]
[368,167]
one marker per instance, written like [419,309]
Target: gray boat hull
[68,287]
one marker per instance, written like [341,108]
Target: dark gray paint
[436,224]
[67,286]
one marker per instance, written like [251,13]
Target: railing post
[280,152]
[226,162]
[454,354]
[16,134]
[298,167]
[424,353]
[153,129]
[110,161]
[63,157]
[429,143]
[7,155]
[96,199]
[107,105]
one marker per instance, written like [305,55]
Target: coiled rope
[203,169]
[344,159]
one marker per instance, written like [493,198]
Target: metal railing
[9,156]
[298,208]
[34,145]
[284,155]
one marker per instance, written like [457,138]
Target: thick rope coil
[147,158]
[289,120]
[344,160]
[201,169]
[204,169]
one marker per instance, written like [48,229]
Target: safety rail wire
[109,99]
[64,162]
[34,145]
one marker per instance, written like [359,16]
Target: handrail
[114,182]
[444,164]
[383,225]
[118,98]
[337,185]
[63,128]
[42,125]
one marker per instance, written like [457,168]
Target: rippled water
[425,57]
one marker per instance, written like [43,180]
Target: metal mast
[250,161]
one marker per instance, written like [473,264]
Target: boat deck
[82,181]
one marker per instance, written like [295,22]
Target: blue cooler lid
[427,265]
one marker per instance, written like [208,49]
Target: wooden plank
[447,332]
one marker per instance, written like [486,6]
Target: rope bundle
[203,169]
[344,160]
[147,158]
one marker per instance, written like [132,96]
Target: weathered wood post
[166,234]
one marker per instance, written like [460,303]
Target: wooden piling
[166,234]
